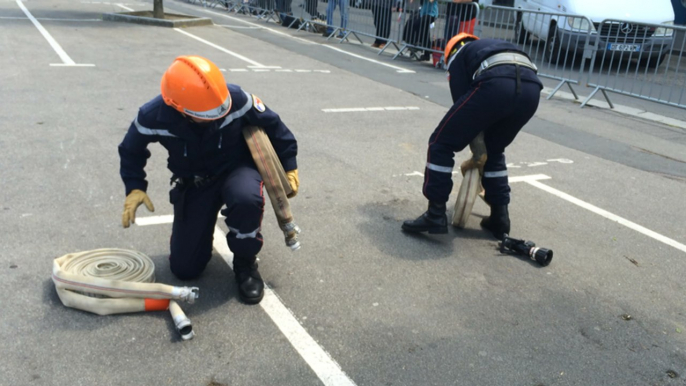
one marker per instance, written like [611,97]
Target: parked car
[632,29]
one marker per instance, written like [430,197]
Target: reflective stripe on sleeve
[437,168]
[501,173]
[147,131]
[239,113]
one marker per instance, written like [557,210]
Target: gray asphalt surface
[389,308]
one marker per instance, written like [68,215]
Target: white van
[625,32]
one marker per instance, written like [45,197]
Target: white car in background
[633,30]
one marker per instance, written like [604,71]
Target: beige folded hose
[471,182]
[115,281]
[275,181]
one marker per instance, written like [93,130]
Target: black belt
[184,183]
[195,181]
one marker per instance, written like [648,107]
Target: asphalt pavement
[361,303]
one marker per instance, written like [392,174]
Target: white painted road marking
[400,70]
[533,180]
[610,216]
[239,56]
[155,220]
[539,163]
[125,7]
[326,368]
[277,69]
[66,60]
[47,19]
[533,177]
[358,109]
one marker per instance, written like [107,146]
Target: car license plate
[624,47]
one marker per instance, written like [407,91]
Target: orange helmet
[194,86]
[456,42]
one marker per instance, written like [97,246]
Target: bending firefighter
[495,90]
[199,120]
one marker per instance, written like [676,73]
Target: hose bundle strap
[275,181]
[116,281]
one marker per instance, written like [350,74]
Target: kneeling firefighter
[495,90]
[199,120]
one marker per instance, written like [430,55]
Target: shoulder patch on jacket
[257,104]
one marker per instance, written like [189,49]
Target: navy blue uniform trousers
[495,107]
[195,216]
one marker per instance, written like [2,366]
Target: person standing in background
[382,11]
[428,13]
[311,8]
[330,9]
[460,16]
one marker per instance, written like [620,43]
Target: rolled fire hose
[117,281]
[471,183]
[275,181]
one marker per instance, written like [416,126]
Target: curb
[178,21]
[626,110]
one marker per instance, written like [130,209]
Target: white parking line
[239,56]
[155,220]
[533,180]
[358,109]
[47,19]
[326,368]
[278,69]
[400,70]
[66,60]
[125,7]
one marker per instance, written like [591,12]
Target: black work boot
[434,220]
[498,222]
[250,284]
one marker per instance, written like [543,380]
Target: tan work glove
[293,181]
[471,164]
[132,202]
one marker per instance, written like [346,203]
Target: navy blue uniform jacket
[462,67]
[201,150]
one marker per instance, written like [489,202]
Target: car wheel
[521,35]
[654,62]
[553,53]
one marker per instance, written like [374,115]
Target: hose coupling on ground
[181,321]
[291,232]
[187,294]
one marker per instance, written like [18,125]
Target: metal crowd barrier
[558,51]
[639,60]
[428,27]
[634,59]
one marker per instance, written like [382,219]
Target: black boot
[250,284]
[433,220]
[498,222]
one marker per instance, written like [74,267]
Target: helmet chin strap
[456,52]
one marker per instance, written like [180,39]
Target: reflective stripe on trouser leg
[470,114]
[242,193]
[494,180]
[438,174]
